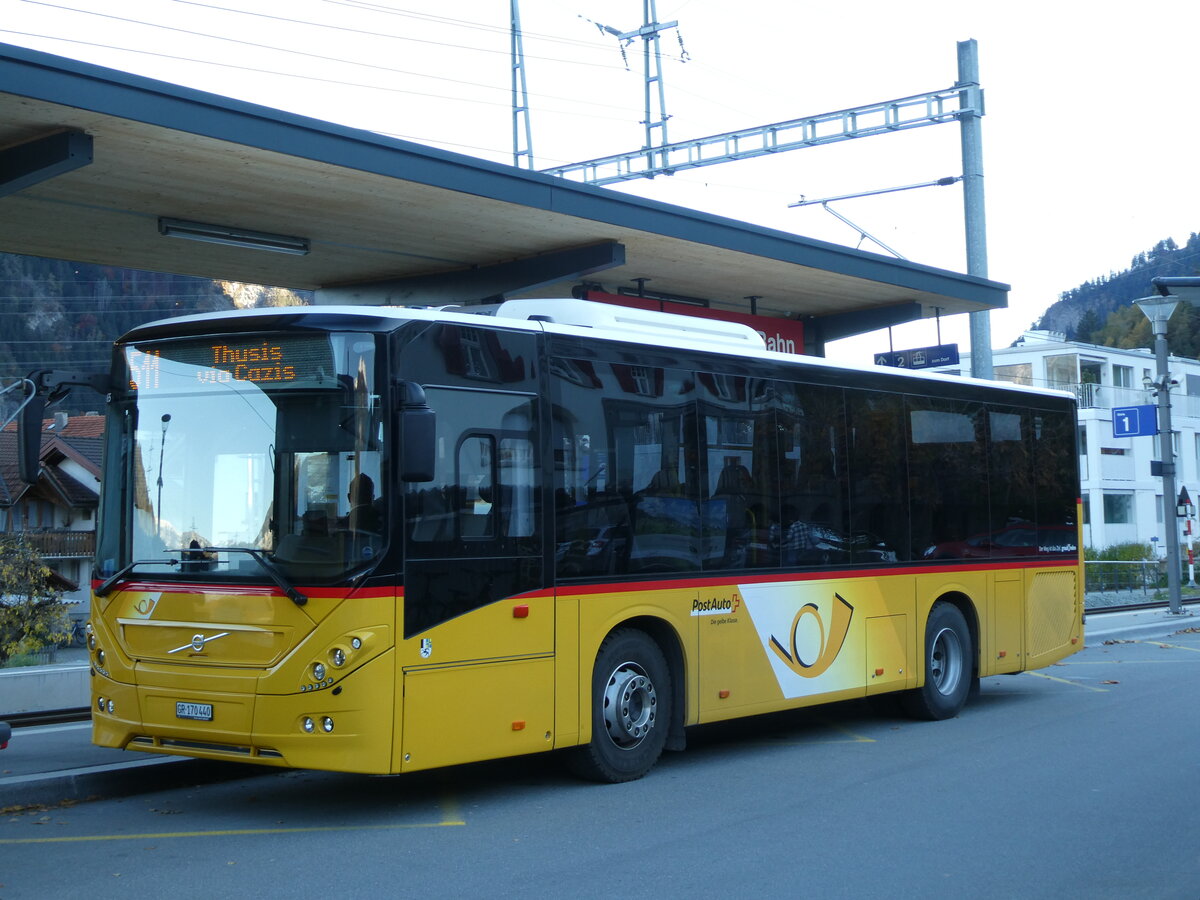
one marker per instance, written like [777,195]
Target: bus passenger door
[478,625]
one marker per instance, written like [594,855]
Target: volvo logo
[198,641]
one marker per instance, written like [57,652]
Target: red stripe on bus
[826,575]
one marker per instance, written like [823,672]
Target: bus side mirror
[48,387]
[418,426]
[29,431]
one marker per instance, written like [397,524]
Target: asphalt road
[1078,781]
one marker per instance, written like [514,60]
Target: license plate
[202,712]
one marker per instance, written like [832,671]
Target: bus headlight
[338,656]
[308,725]
[318,671]
[327,724]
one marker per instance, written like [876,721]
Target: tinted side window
[475,494]
[1056,480]
[813,483]
[653,436]
[1011,489]
[626,469]
[739,485]
[878,477]
[483,497]
[948,479]
[464,356]
[592,522]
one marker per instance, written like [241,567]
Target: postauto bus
[382,540]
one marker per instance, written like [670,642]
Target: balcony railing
[1107,396]
[63,544]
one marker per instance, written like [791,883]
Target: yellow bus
[382,540]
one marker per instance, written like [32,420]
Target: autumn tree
[32,614]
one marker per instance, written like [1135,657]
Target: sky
[1089,138]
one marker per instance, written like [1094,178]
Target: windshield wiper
[107,585]
[273,573]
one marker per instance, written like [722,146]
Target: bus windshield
[240,450]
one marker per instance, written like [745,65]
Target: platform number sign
[1135,421]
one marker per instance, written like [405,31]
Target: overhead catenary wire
[305,76]
[578,108]
[576,101]
[703,96]
[322,26]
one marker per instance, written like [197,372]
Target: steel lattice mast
[522,149]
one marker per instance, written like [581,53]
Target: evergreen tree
[1089,324]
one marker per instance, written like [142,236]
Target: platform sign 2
[1135,421]
[920,358]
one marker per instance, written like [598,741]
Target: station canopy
[105,167]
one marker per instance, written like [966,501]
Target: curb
[1142,623]
[118,780]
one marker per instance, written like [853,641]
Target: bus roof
[579,318]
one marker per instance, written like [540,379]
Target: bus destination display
[291,361]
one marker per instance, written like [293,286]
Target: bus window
[740,483]
[811,436]
[1011,491]
[476,487]
[1056,481]
[592,518]
[517,485]
[626,469]
[878,477]
[947,459]
[483,493]
[653,450]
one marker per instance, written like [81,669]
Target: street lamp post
[1158,309]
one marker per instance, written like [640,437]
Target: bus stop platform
[48,765]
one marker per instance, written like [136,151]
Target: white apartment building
[1122,501]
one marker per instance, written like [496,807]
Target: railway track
[1135,607]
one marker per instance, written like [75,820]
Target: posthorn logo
[820,653]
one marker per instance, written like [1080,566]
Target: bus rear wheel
[631,709]
[948,669]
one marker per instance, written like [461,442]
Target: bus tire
[948,669]
[631,709]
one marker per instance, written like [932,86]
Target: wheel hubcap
[630,705]
[946,661]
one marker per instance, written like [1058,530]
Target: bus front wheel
[631,709]
[948,669]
